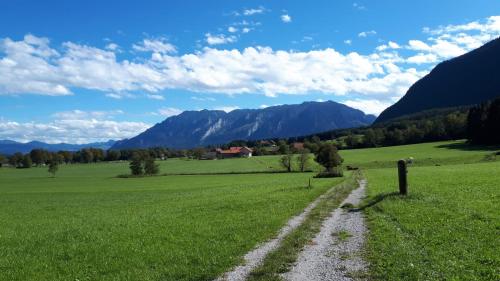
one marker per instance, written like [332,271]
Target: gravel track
[255,257]
[331,256]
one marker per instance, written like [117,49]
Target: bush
[333,173]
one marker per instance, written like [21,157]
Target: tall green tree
[286,162]
[303,159]
[16,159]
[329,157]
[150,167]
[136,167]
[26,162]
[53,167]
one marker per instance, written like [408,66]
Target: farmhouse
[236,151]
[298,145]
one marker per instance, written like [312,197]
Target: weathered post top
[402,175]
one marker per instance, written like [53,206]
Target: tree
[352,141]
[113,155]
[283,147]
[86,155]
[2,159]
[329,158]
[198,152]
[483,123]
[136,165]
[303,159]
[67,156]
[53,167]
[16,159]
[26,162]
[39,156]
[286,162]
[150,167]
[493,122]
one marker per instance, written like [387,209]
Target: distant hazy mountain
[468,79]
[206,127]
[10,147]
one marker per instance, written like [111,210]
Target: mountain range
[9,147]
[210,127]
[465,80]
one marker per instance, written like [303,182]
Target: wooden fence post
[403,180]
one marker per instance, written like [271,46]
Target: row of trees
[142,164]
[483,123]
[326,155]
[434,125]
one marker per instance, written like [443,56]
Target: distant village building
[237,151]
[298,145]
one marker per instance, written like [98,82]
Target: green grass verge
[447,228]
[86,224]
[424,154]
[280,260]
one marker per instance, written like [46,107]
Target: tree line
[483,123]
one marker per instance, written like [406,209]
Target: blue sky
[84,71]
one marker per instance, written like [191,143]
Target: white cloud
[490,25]
[390,45]
[218,39]
[418,45]
[157,46]
[80,114]
[251,12]
[286,18]
[252,70]
[245,30]
[348,42]
[367,33]
[155,97]
[358,6]
[112,47]
[393,45]
[31,66]
[263,106]
[232,29]
[453,40]
[119,96]
[169,111]
[227,108]
[76,129]
[368,106]
[422,58]
[202,98]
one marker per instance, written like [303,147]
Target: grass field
[86,224]
[448,228]
[424,154]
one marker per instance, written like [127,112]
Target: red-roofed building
[235,151]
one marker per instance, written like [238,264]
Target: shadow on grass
[469,147]
[375,200]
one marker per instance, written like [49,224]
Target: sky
[87,71]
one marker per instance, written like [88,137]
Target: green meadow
[87,224]
[447,228]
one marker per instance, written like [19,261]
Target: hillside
[10,147]
[468,79]
[207,127]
